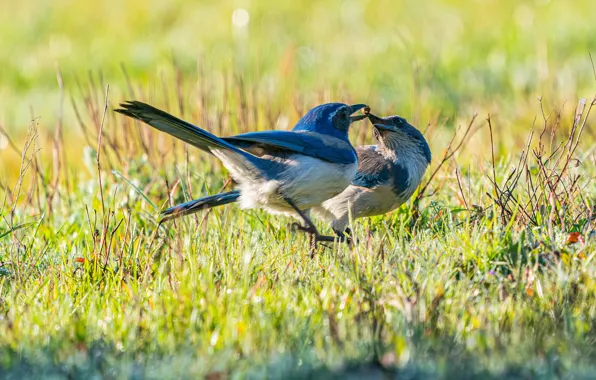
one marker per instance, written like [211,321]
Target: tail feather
[197,205]
[178,128]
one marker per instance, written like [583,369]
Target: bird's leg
[341,235]
[349,237]
[345,236]
[309,228]
[319,238]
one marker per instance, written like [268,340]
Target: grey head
[395,134]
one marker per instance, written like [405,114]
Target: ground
[488,272]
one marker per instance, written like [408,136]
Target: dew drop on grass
[214,338]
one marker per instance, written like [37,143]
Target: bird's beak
[385,127]
[374,119]
[357,107]
[380,123]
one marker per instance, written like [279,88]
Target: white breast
[357,202]
[307,181]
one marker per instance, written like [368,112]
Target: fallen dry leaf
[575,237]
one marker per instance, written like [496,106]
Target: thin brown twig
[575,144]
[449,152]
[593,67]
[492,153]
[105,111]
[461,190]
[10,142]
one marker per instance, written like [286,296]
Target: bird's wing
[312,144]
[373,168]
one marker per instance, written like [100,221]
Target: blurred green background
[432,62]
[459,54]
[201,299]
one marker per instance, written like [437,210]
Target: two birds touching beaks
[311,169]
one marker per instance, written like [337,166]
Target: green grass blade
[20,226]
[117,174]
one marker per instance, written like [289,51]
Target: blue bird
[282,172]
[388,174]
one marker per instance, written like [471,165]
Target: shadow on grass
[103,360]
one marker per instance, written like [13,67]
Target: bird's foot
[307,230]
[314,237]
[313,232]
[325,238]
[346,237]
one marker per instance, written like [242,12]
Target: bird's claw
[307,230]
[351,242]
[324,239]
[346,237]
[315,237]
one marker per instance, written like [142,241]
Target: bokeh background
[433,62]
[489,274]
[454,51]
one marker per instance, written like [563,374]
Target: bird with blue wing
[282,172]
[388,174]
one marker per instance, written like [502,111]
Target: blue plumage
[292,171]
[183,130]
[197,205]
[312,144]
[286,172]
[328,119]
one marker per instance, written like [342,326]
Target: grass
[488,274]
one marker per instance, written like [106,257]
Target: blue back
[322,133]
[308,143]
[320,119]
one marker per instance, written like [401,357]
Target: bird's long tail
[178,128]
[199,204]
